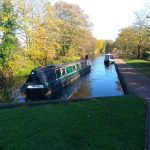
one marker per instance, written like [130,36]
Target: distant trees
[101,46]
[135,40]
[108,45]
[104,46]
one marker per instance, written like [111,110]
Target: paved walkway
[138,84]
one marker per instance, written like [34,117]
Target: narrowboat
[44,81]
[109,59]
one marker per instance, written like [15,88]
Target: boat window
[78,66]
[50,74]
[58,73]
[69,69]
[63,71]
[74,67]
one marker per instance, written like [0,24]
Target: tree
[75,30]
[142,24]
[101,45]
[72,14]
[42,49]
[136,39]
[142,18]
[109,45]
[133,40]
[8,25]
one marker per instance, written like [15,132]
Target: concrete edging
[44,102]
[122,82]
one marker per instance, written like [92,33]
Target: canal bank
[137,84]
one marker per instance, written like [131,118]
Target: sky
[109,16]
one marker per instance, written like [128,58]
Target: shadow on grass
[141,65]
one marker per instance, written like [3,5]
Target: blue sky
[109,16]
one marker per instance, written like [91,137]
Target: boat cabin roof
[44,68]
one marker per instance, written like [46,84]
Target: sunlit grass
[141,65]
[107,124]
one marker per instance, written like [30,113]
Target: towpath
[138,84]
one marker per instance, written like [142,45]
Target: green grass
[108,124]
[141,65]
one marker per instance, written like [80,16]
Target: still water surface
[102,81]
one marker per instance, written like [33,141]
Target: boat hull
[48,92]
[107,62]
[109,59]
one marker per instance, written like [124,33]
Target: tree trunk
[139,53]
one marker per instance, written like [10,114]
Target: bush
[146,55]
[17,66]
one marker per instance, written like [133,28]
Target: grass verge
[141,65]
[116,123]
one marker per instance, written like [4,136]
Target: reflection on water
[102,81]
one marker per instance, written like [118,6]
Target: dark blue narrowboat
[44,81]
[109,59]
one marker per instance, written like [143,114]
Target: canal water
[102,81]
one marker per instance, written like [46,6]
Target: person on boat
[87,60]
[86,56]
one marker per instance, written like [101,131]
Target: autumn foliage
[45,33]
